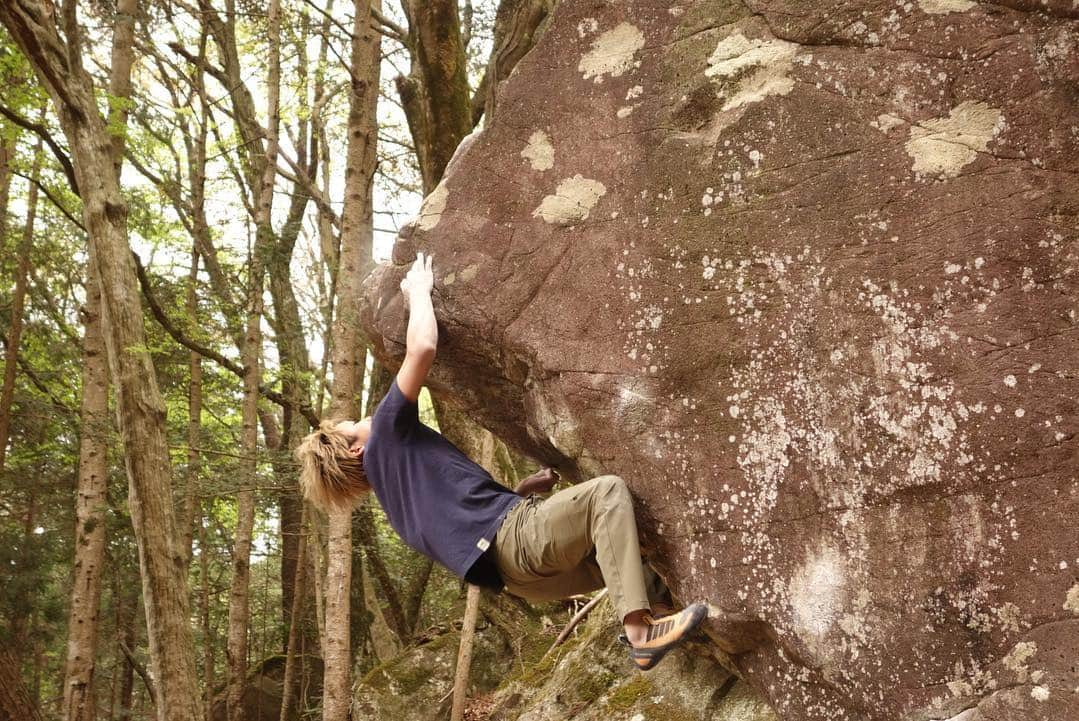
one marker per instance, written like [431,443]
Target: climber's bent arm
[421,338]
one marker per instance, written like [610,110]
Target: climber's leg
[544,546]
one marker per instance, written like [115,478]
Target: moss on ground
[625,696]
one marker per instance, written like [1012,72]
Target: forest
[190,194]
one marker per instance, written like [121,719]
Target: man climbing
[448,508]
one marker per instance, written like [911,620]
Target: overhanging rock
[806,277]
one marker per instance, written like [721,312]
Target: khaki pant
[578,540]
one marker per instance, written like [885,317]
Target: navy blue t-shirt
[439,502]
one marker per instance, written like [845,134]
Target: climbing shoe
[664,634]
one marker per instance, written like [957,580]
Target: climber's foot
[650,639]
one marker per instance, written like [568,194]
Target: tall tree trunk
[194,422]
[241,555]
[14,335]
[207,627]
[440,54]
[336,647]
[348,356]
[293,654]
[140,408]
[239,609]
[91,504]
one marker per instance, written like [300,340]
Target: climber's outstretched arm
[422,336]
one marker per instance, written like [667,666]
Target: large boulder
[805,276]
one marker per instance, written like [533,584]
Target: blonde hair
[330,476]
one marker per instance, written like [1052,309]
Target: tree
[348,355]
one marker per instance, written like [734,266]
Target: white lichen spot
[1020,412]
[1040,693]
[886,122]
[587,26]
[612,53]
[944,146]
[624,112]
[1071,601]
[1009,380]
[634,92]
[1011,618]
[943,7]
[539,152]
[469,273]
[1017,659]
[952,268]
[816,593]
[571,202]
[450,279]
[432,207]
[737,56]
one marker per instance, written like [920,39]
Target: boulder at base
[805,276]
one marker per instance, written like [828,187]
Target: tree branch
[166,323]
[42,132]
[140,669]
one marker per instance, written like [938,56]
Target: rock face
[806,278]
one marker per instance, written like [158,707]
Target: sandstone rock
[806,277]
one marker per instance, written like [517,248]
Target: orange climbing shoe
[666,633]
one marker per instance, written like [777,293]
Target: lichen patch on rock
[612,53]
[1071,602]
[539,152]
[817,597]
[943,7]
[571,202]
[432,207]
[944,146]
[758,68]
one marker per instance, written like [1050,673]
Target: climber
[449,509]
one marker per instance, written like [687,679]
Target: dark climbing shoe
[664,634]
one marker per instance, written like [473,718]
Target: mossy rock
[590,678]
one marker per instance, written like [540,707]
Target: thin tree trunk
[91,504]
[7,155]
[318,572]
[288,683]
[348,358]
[127,620]
[336,648]
[207,628]
[239,595]
[14,335]
[194,425]
[239,610]
[464,654]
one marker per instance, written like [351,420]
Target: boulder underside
[806,278]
